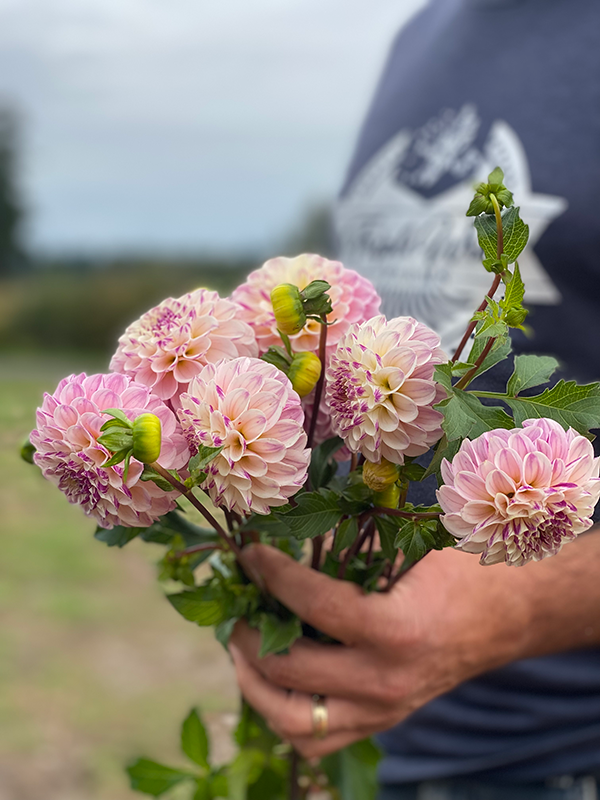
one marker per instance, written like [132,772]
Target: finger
[315,668]
[289,714]
[337,608]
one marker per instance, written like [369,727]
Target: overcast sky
[186,124]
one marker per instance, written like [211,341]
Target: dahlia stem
[294,785]
[320,382]
[198,548]
[495,282]
[468,377]
[182,489]
[317,547]
[354,548]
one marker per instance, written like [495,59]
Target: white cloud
[187,123]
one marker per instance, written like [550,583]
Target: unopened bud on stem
[379,476]
[304,372]
[389,498]
[287,307]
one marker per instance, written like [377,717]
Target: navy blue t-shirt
[469,85]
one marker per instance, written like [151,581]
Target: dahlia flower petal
[264,458]
[377,403]
[166,348]
[70,456]
[519,501]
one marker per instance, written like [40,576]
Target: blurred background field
[146,149]
[95,666]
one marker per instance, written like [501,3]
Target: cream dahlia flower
[380,389]
[169,345]
[353,298]
[519,495]
[250,408]
[69,455]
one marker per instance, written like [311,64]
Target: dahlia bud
[304,372]
[288,309]
[389,498]
[146,438]
[379,477]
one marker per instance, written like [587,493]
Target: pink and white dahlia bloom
[519,495]
[380,388]
[250,408]
[169,345]
[353,299]
[69,455]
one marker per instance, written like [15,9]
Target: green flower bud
[27,451]
[304,372]
[379,477]
[516,317]
[288,309]
[146,438]
[388,498]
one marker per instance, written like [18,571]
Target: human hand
[447,620]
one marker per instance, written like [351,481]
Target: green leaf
[314,515]
[443,375]
[116,413]
[571,405]
[121,455]
[353,770]
[277,356]
[153,778]
[150,474]
[500,350]
[204,790]
[119,439]
[118,536]
[388,530]
[244,770]
[346,534]
[203,457]
[466,417]
[277,635]
[530,371]
[202,605]
[515,234]
[218,785]
[321,470]
[444,449]
[515,290]
[194,740]
[496,176]
[315,289]
[416,538]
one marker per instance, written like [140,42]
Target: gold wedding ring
[320,717]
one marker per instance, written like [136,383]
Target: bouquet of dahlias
[293,411]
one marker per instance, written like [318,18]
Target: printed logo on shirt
[402,220]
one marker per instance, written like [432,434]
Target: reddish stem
[468,377]
[198,548]
[320,382]
[473,323]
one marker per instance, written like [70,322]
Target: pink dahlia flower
[519,495]
[380,389]
[353,298]
[250,408]
[69,455]
[169,345]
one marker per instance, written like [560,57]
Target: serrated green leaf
[322,469]
[194,739]
[443,375]
[153,778]
[118,536]
[277,635]
[315,289]
[466,417]
[315,514]
[530,371]
[346,534]
[416,538]
[571,405]
[444,449]
[203,457]
[202,605]
[500,350]
[387,528]
[515,234]
[515,290]
[492,329]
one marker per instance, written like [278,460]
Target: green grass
[95,666]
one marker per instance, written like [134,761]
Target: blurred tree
[314,234]
[11,213]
